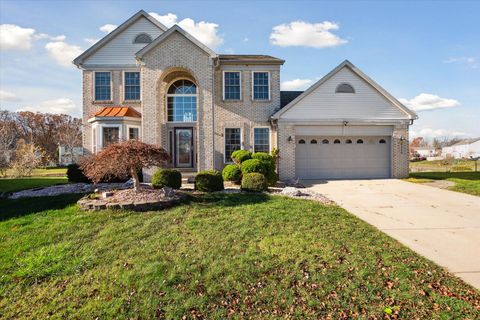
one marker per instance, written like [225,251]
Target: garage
[351,157]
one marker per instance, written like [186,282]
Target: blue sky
[425,53]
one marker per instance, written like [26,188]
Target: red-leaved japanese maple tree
[123,159]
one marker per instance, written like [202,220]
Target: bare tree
[26,158]
[8,137]
[70,134]
[123,159]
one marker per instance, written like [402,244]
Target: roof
[411,115]
[249,58]
[118,111]
[465,141]
[165,35]
[288,96]
[79,60]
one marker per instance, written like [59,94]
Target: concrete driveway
[442,225]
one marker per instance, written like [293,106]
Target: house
[468,148]
[162,86]
[68,155]
[425,151]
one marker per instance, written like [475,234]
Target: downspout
[214,65]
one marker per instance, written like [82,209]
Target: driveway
[442,225]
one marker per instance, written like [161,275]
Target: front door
[184,147]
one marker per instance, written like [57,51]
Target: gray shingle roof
[288,96]
[249,58]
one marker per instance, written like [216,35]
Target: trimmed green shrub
[167,178]
[232,172]
[254,165]
[75,174]
[263,156]
[254,182]
[209,181]
[241,155]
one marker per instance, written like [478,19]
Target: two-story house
[164,87]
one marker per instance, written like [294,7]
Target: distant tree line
[28,137]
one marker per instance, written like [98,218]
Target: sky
[425,53]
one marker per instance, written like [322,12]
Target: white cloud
[60,105]
[107,28]
[428,132]
[428,101]
[91,41]
[300,33]
[8,96]
[245,39]
[62,52]
[205,32]
[13,37]
[296,84]
[40,36]
[471,62]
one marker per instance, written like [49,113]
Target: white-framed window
[131,85]
[261,140]
[103,85]
[232,85]
[182,101]
[133,132]
[110,135]
[260,85]
[233,142]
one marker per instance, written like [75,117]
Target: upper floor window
[132,85]
[231,85]
[261,85]
[344,88]
[103,89]
[142,38]
[182,101]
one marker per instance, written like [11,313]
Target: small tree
[122,160]
[26,158]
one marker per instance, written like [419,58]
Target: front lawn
[456,165]
[466,182]
[12,185]
[243,256]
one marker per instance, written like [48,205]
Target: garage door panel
[370,159]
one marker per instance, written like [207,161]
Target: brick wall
[286,168]
[400,161]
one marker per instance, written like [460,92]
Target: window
[142,38]
[359,141]
[233,142]
[103,86]
[110,135]
[301,141]
[313,141]
[382,141]
[261,140]
[182,101]
[132,85]
[261,86]
[325,141]
[348,141]
[344,88]
[133,133]
[336,141]
[231,85]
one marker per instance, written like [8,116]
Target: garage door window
[348,141]
[359,141]
[336,141]
[301,141]
[261,137]
[232,142]
[325,141]
[382,141]
[313,141]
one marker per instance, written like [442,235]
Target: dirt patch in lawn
[441,184]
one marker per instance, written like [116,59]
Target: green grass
[458,165]
[243,256]
[12,185]
[466,182]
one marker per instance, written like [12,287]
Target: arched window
[142,38]
[348,141]
[344,88]
[382,141]
[325,141]
[301,141]
[336,141]
[359,141]
[313,141]
[182,101]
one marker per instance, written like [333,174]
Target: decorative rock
[291,191]
[107,194]
[167,192]
[280,184]
[294,183]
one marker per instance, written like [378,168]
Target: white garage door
[327,157]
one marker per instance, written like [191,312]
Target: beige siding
[324,103]
[121,50]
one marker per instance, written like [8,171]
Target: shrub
[167,178]
[232,172]
[75,174]
[269,163]
[263,156]
[240,156]
[209,181]
[254,165]
[254,182]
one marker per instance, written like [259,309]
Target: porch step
[188,177]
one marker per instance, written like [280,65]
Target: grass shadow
[12,208]
[226,200]
[446,175]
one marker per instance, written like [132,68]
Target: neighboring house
[68,156]
[162,86]
[425,151]
[468,148]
